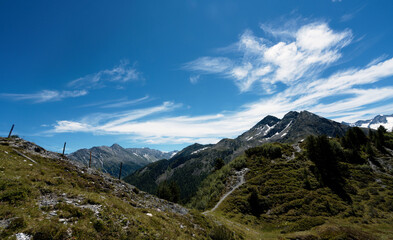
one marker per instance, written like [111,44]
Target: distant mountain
[108,159]
[384,120]
[192,164]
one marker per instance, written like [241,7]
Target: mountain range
[384,120]
[108,159]
[278,183]
[194,163]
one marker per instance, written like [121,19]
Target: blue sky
[165,74]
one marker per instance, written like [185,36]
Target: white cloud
[209,64]
[44,95]
[305,52]
[120,74]
[319,37]
[110,122]
[126,103]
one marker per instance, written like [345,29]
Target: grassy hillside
[330,189]
[44,196]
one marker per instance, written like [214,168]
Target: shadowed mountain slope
[108,159]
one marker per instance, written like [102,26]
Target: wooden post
[64,147]
[90,160]
[12,128]
[121,166]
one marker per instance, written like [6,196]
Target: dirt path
[240,181]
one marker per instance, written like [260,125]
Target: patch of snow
[268,129]
[199,150]
[250,138]
[136,154]
[364,125]
[173,154]
[149,214]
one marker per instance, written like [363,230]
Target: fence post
[121,166]
[64,147]
[90,160]
[12,128]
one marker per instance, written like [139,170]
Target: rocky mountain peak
[116,146]
[291,115]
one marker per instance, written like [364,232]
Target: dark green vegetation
[334,188]
[46,197]
[169,191]
[192,165]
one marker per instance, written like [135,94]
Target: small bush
[17,223]
[136,190]
[50,231]
[221,233]
[344,233]
[305,223]
[69,210]
[99,226]
[14,195]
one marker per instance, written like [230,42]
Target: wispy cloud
[119,74]
[344,95]
[305,52]
[117,103]
[110,122]
[44,95]
[209,64]
[194,79]
[348,16]
[126,103]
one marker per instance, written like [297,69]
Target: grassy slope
[53,199]
[293,202]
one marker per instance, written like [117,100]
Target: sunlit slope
[322,187]
[44,196]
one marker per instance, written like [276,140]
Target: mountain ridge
[384,120]
[192,164]
[108,159]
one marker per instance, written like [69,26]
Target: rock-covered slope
[191,165]
[379,120]
[108,159]
[44,195]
